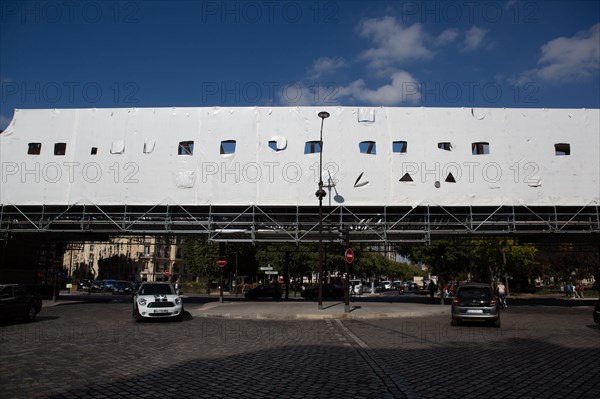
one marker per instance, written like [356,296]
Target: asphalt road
[94,350]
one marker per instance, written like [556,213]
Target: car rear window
[474,292]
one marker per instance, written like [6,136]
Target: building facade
[133,258]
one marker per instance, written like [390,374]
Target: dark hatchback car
[475,302]
[332,291]
[265,291]
[122,288]
[16,302]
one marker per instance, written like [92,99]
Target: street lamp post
[320,195]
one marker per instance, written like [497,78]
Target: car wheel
[31,313]
[137,317]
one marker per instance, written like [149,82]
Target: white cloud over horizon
[394,43]
[403,88]
[474,38]
[326,66]
[567,59]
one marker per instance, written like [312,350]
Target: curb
[312,316]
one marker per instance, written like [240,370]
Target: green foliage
[448,259]
[568,261]
[506,256]
[200,257]
[303,259]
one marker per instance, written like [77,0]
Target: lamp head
[320,194]
[323,114]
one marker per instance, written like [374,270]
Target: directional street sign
[265,268]
[274,272]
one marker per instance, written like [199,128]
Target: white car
[157,300]
[355,287]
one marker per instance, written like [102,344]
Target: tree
[448,259]
[501,256]
[200,256]
[303,259]
[568,261]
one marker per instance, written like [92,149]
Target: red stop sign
[349,255]
[221,261]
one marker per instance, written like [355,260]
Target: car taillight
[456,302]
[493,302]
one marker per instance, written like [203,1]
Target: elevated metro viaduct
[250,174]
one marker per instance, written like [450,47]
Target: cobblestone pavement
[95,351]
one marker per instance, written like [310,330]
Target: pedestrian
[569,289]
[431,291]
[502,293]
[581,291]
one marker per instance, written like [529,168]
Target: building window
[94,151]
[227,147]
[368,147]
[399,146]
[278,144]
[562,149]
[117,147]
[185,148]
[480,148]
[312,147]
[60,148]
[149,145]
[445,145]
[34,148]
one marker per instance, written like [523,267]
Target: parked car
[157,300]
[597,312]
[475,302]
[16,302]
[387,285]
[332,291]
[379,287]
[122,288]
[108,285]
[270,290]
[84,285]
[356,287]
[97,286]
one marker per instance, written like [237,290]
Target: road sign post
[221,262]
[349,256]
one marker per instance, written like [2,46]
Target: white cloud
[447,36]
[394,43]
[473,39]
[326,66]
[404,88]
[567,59]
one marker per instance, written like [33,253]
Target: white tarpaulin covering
[269,156]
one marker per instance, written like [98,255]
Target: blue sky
[56,54]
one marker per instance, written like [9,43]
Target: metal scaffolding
[253,223]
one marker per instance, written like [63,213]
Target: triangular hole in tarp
[450,178]
[406,178]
